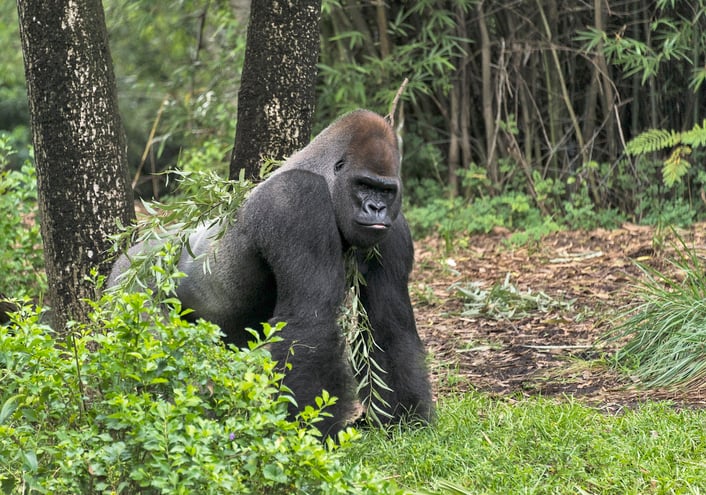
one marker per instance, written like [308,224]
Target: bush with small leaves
[141,401]
[21,255]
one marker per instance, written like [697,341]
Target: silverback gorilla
[283,260]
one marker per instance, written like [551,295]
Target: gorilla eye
[339,165]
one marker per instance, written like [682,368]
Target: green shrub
[21,255]
[457,216]
[140,401]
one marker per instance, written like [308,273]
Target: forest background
[517,114]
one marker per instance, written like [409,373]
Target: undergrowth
[139,401]
[504,301]
[21,255]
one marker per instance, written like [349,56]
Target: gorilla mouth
[374,226]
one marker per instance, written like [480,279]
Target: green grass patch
[486,445]
[666,329]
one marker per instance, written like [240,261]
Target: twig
[393,108]
[150,141]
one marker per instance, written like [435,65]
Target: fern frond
[676,166]
[653,140]
[695,137]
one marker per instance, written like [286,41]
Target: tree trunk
[277,94]
[465,89]
[487,99]
[79,144]
[454,132]
[607,102]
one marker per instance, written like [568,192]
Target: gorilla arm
[298,238]
[398,351]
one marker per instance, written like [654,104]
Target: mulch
[560,350]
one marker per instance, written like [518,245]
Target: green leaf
[676,165]
[652,140]
[30,460]
[9,407]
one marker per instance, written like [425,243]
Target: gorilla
[283,261]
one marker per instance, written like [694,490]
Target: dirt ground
[586,276]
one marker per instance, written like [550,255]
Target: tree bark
[79,144]
[277,94]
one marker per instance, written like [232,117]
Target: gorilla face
[366,193]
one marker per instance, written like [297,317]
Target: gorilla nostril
[374,207]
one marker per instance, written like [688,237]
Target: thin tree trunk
[354,11]
[653,105]
[465,89]
[79,144]
[554,106]
[487,98]
[277,93]
[589,113]
[454,148]
[553,19]
[381,17]
[607,101]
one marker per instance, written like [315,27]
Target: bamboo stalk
[487,98]
[562,86]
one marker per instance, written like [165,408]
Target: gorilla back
[283,260]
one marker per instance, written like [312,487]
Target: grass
[666,329]
[483,445]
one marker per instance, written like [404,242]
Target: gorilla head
[363,174]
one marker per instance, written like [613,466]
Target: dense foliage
[139,401]
[530,98]
[21,256]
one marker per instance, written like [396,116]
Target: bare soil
[558,352]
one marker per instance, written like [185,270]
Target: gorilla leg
[399,350]
[317,358]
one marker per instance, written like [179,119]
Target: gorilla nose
[374,208]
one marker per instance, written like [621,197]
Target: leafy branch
[361,343]
[207,200]
[676,165]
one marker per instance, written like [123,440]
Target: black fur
[283,260]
